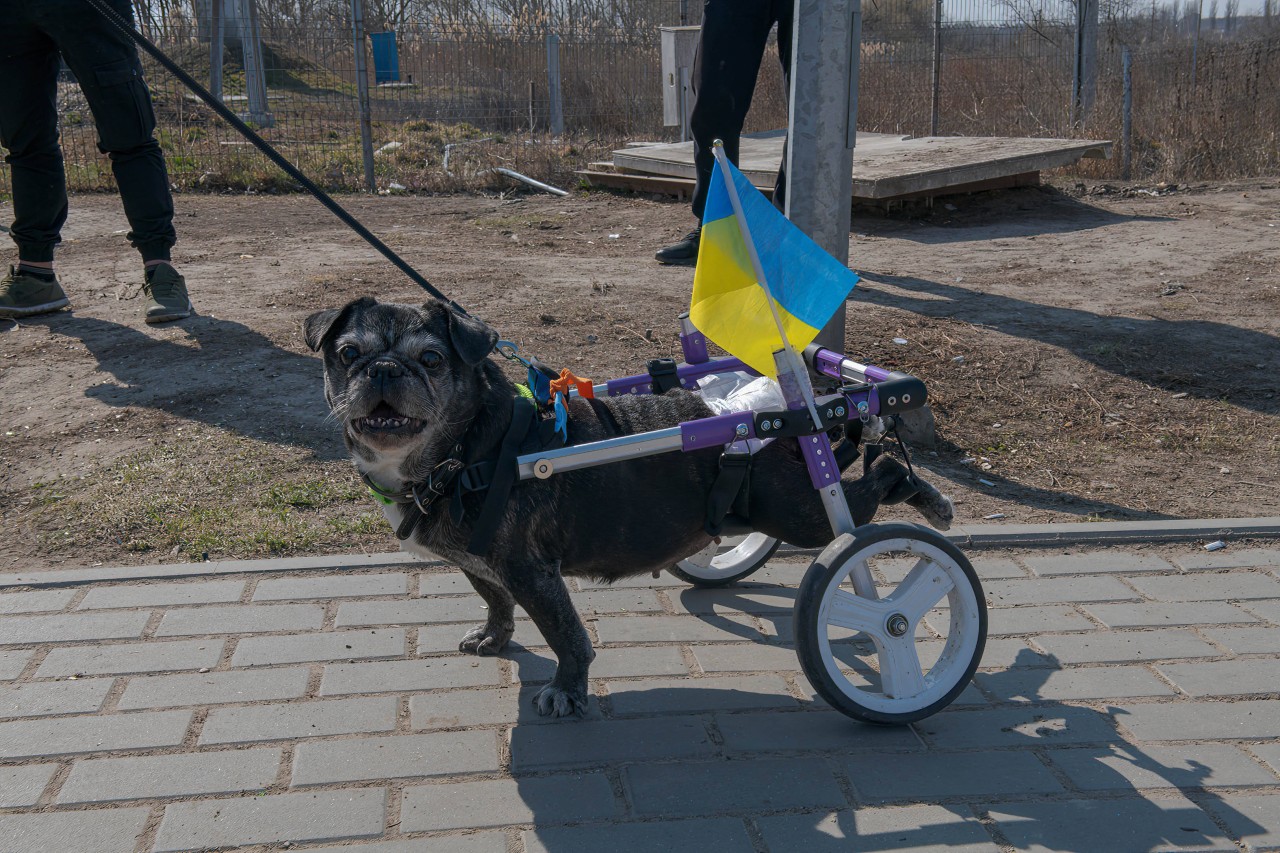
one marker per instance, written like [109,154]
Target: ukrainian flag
[729,304]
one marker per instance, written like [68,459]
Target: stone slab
[395,757]
[1268,609]
[241,619]
[685,695]
[1065,685]
[214,688]
[1026,727]
[479,842]
[162,594]
[821,730]
[411,611]
[486,707]
[597,601]
[21,787]
[126,658]
[1121,647]
[444,639]
[716,787]
[325,646]
[41,601]
[746,657]
[1225,678]
[13,663]
[331,586]
[1076,825]
[44,699]
[72,628]
[1246,641]
[409,675]
[1032,619]
[294,818]
[1168,615]
[700,602]
[1069,590]
[1097,562]
[105,780]
[1230,558]
[595,743]
[1270,755]
[1124,767]
[932,775]
[609,663]
[317,718]
[708,835]
[75,735]
[1202,720]
[905,829]
[541,801]
[1253,819]
[675,629]
[1217,586]
[98,831]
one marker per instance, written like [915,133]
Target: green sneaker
[23,295]
[166,295]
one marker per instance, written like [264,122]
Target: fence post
[826,40]
[1126,118]
[215,48]
[362,93]
[1085,84]
[684,12]
[255,74]
[937,68]
[553,85]
[1195,45]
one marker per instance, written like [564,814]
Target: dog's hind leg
[492,636]
[540,590]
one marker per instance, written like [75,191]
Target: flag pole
[797,363]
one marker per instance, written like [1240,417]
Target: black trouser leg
[106,65]
[29,131]
[730,49]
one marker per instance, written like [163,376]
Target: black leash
[114,18]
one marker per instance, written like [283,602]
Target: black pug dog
[411,385]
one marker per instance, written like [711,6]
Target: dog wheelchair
[880,655]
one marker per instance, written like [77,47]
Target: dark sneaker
[684,253]
[166,295]
[23,294]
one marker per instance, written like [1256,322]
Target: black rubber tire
[809,605]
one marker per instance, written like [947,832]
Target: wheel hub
[897,625]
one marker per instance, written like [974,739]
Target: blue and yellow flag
[730,307]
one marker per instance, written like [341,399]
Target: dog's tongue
[382,410]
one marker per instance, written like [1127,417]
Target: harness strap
[523,414]
[730,490]
[664,375]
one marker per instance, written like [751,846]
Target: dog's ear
[317,328]
[471,337]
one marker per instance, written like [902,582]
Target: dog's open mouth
[386,420]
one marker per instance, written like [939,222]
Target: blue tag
[562,418]
[540,386]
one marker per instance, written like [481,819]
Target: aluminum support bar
[620,449]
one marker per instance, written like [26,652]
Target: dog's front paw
[554,701]
[936,507]
[485,640]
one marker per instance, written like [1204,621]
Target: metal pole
[553,85]
[1126,119]
[255,74]
[216,40]
[684,12]
[362,93]
[937,68]
[1195,44]
[826,35]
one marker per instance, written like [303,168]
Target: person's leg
[106,65]
[29,132]
[785,11]
[730,48]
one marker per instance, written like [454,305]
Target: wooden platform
[885,166]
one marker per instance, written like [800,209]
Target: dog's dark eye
[431,359]
[348,354]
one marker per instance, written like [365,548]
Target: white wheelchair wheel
[710,567]
[902,657]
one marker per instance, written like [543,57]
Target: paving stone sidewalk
[1129,700]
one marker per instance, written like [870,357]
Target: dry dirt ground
[1103,355]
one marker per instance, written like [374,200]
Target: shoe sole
[48,307]
[690,262]
[152,319]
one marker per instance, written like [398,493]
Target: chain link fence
[462,88]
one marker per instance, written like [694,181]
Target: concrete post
[1126,117]
[255,73]
[362,93]
[215,48]
[937,68]
[824,108]
[1085,83]
[554,94]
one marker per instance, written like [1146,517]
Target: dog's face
[397,375]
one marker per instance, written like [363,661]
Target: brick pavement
[1129,700]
